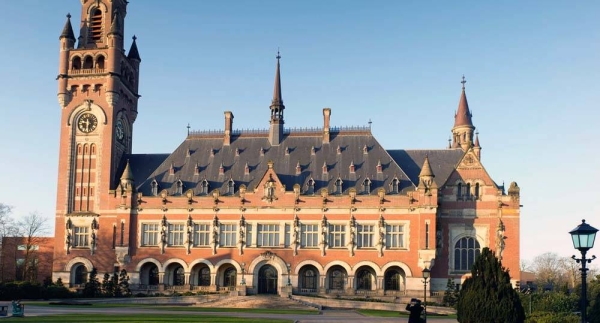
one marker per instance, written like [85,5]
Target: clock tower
[98,96]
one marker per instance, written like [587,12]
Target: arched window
[204,187]
[100,62]
[366,186]
[466,250]
[309,279]
[154,186]
[468,191]
[365,278]
[230,277]
[310,186]
[392,280]
[153,275]
[459,191]
[394,185]
[76,63]
[81,274]
[337,278]
[96,25]
[338,185]
[179,187]
[231,186]
[178,276]
[477,191]
[88,62]
[204,277]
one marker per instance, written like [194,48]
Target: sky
[532,71]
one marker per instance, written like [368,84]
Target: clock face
[87,123]
[119,131]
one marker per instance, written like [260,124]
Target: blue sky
[532,70]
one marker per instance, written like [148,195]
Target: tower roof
[67,31]
[476,140]
[127,173]
[277,99]
[426,170]
[133,51]
[463,115]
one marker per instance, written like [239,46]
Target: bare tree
[31,228]
[550,269]
[7,229]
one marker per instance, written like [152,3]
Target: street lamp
[243,274]
[289,268]
[583,240]
[426,274]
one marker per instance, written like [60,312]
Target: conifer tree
[92,286]
[451,294]
[488,296]
[124,283]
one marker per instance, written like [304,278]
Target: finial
[370,123]
[188,128]
[463,81]
[69,15]
[134,38]
[278,56]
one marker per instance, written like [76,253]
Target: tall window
[149,234]
[248,234]
[338,186]
[394,236]
[287,236]
[179,187]
[337,236]
[477,191]
[468,191]
[310,236]
[201,234]
[154,186]
[310,186]
[392,280]
[309,279]
[96,25]
[228,236]
[337,278]
[176,233]
[459,191]
[204,187]
[465,252]
[231,187]
[366,234]
[204,277]
[81,274]
[427,235]
[394,185]
[178,276]
[267,235]
[366,186]
[230,277]
[81,237]
[364,279]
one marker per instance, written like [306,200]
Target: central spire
[463,129]
[277,107]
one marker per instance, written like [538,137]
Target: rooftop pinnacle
[463,115]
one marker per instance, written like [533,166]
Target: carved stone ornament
[268,255]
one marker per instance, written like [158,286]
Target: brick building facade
[26,259]
[324,211]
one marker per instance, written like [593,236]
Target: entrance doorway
[267,280]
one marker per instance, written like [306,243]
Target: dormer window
[338,186]
[172,170]
[178,187]
[379,167]
[204,187]
[188,153]
[324,167]
[221,169]
[154,186]
[394,185]
[231,186]
[352,168]
[366,186]
[196,170]
[310,186]
[246,169]
[270,189]
[212,153]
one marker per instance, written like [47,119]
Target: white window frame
[150,233]
[395,238]
[81,237]
[202,234]
[267,235]
[176,234]
[309,238]
[366,235]
[228,235]
[337,235]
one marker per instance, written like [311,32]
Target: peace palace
[325,211]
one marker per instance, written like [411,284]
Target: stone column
[322,286]
[350,286]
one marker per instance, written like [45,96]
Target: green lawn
[140,318]
[381,313]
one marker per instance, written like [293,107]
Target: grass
[382,313]
[139,318]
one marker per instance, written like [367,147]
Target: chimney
[326,116]
[228,126]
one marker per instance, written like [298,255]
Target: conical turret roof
[67,31]
[127,173]
[277,99]
[133,51]
[463,114]
[426,169]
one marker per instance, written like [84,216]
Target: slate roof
[443,162]
[245,149]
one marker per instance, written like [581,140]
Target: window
[201,234]
[31,247]
[309,279]
[154,186]
[178,187]
[310,236]
[468,191]
[231,187]
[248,235]
[178,276]
[338,186]
[176,233]
[19,268]
[366,186]
[459,191]
[204,187]
[287,235]
[465,252]
[392,280]
[204,277]
[96,25]
[365,277]
[427,235]
[365,236]
[228,236]
[149,234]
[337,236]
[477,191]
[337,278]
[310,186]
[81,274]
[267,235]
[394,237]
[229,278]
[81,237]
[394,185]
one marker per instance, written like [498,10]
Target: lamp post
[243,274]
[426,274]
[289,268]
[583,240]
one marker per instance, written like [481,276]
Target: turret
[67,43]
[476,146]
[463,129]
[127,178]
[426,176]
[277,107]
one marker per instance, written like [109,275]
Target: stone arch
[76,62]
[400,264]
[147,260]
[309,262]
[173,261]
[338,263]
[367,263]
[86,262]
[83,108]
[203,261]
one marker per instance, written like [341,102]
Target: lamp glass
[426,273]
[583,236]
